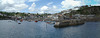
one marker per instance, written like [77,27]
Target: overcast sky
[41,6]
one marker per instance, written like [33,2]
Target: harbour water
[11,29]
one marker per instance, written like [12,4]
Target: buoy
[36,21]
[21,20]
[40,20]
[48,22]
[53,22]
[9,21]
[19,23]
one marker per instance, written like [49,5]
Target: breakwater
[71,22]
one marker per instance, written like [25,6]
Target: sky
[43,6]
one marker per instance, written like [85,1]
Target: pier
[71,22]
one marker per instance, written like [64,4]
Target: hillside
[86,10]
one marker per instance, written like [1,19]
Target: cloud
[95,5]
[50,3]
[16,8]
[32,0]
[54,6]
[70,3]
[52,10]
[98,1]
[12,5]
[44,8]
[32,7]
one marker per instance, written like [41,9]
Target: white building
[53,17]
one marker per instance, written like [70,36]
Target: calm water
[43,30]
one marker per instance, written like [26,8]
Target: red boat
[36,21]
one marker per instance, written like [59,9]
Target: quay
[72,22]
